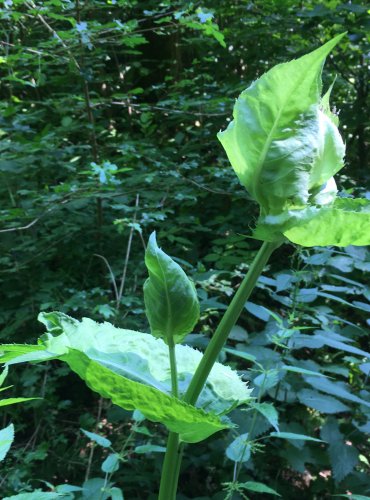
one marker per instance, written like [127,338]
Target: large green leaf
[171,301]
[280,144]
[191,423]
[346,222]
[135,361]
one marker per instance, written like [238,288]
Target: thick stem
[172,461]
[228,321]
[168,485]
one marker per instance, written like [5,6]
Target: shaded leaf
[100,440]
[292,436]
[111,463]
[343,457]
[239,450]
[6,439]
[258,488]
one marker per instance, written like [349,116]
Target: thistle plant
[285,148]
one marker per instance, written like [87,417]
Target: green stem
[173,367]
[172,460]
[168,487]
[228,321]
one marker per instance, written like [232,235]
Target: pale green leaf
[347,222]
[6,439]
[192,424]
[280,144]
[137,366]
[171,301]
[137,356]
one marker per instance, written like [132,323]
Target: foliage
[97,156]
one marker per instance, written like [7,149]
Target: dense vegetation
[109,116]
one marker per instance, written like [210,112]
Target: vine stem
[171,465]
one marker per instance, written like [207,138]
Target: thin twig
[146,107]
[127,257]
[113,279]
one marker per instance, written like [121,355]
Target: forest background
[109,115]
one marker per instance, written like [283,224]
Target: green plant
[7,434]
[285,148]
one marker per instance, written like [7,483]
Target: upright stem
[168,487]
[171,466]
[173,366]
[228,321]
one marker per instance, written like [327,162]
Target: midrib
[270,136]
[168,319]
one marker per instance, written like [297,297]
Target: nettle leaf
[171,301]
[138,370]
[321,402]
[339,389]
[269,412]
[240,449]
[281,144]
[6,439]
[343,457]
